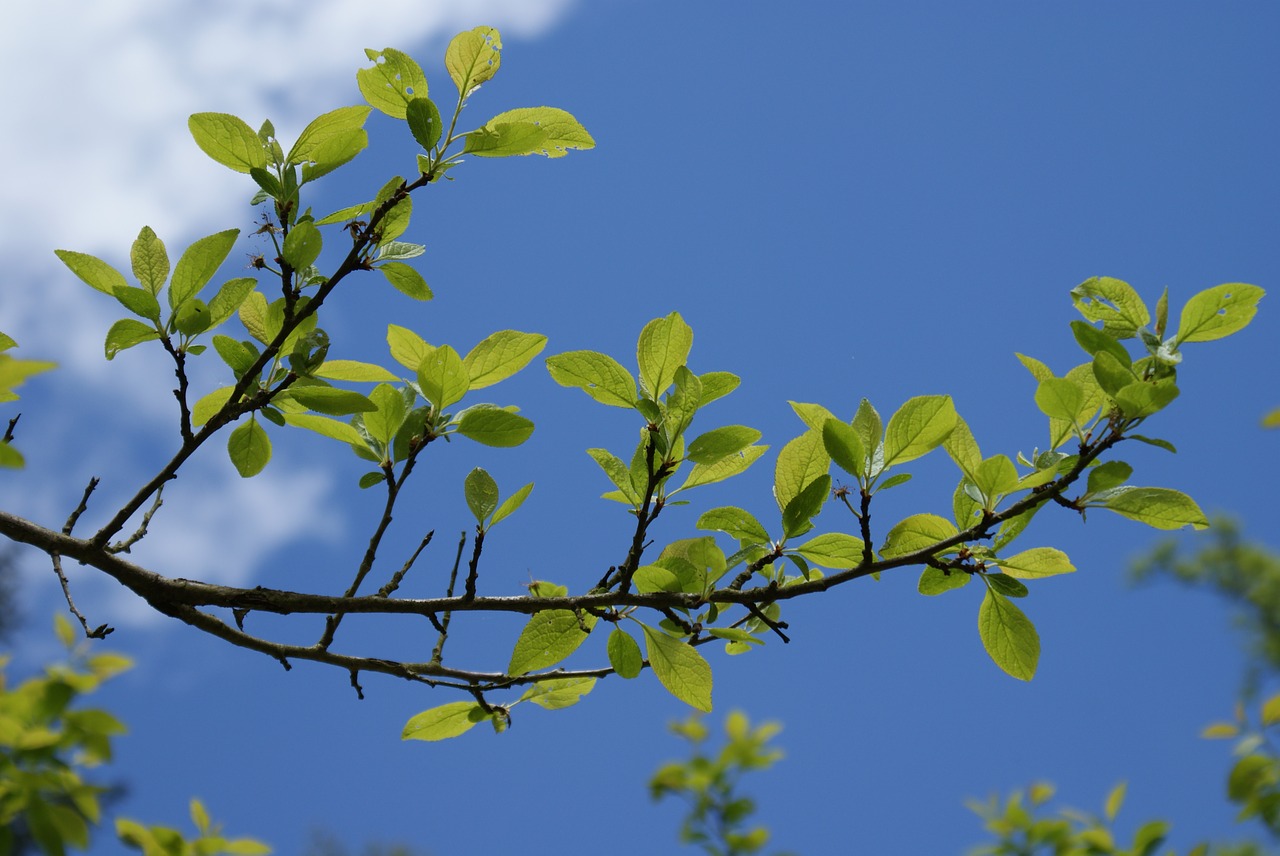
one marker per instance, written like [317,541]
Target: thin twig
[8,434]
[123,546]
[438,652]
[102,631]
[80,509]
[394,582]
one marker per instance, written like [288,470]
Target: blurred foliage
[1246,574]
[719,818]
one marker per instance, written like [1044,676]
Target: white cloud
[96,97]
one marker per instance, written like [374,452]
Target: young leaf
[447,720]
[1006,585]
[1217,312]
[198,264]
[500,355]
[334,402]
[832,550]
[511,503]
[1112,374]
[208,405]
[509,139]
[92,270]
[150,260]
[1141,398]
[1059,398]
[406,280]
[934,581]
[354,370]
[617,471]
[561,131]
[328,134]
[229,298]
[1036,563]
[392,83]
[493,426]
[482,494]
[302,246]
[424,121]
[963,449]
[249,448]
[332,428]
[680,668]
[919,427]
[389,414]
[126,333]
[442,377]
[799,463]
[140,302]
[549,637]
[813,416]
[228,140]
[556,695]
[720,443]
[797,517]
[599,376]
[407,347]
[734,522]
[1112,302]
[1108,475]
[845,447]
[722,469]
[624,653]
[1009,636]
[1158,507]
[916,533]
[472,58]
[717,385]
[663,348]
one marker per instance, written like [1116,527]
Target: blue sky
[843,200]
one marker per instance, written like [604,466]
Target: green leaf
[845,447]
[1217,312]
[329,135]
[511,503]
[995,477]
[1145,398]
[302,246]
[617,471]
[1115,800]
[249,448]
[720,443]
[334,402]
[920,426]
[493,426]
[92,271]
[391,410]
[559,694]
[1108,475]
[833,550]
[680,668]
[799,463]
[354,370]
[424,122]
[1154,441]
[500,355]
[624,653]
[331,428]
[1112,374]
[599,376]
[917,532]
[253,315]
[150,260]
[228,140]
[447,720]
[140,302]
[663,348]
[1036,563]
[198,264]
[407,347]
[126,333]
[655,578]
[716,385]
[505,140]
[1059,398]
[549,637]
[395,250]
[482,494]
[1006,585]
[734,522]
[1158,507]
[472,58]
[798,515]
[1009,636]
[1271,711]
[812,415]
[1112,302]
[560,131]
[208,405]
[406,280]
[442,377]
[963,449]
[935,581]
[703,474]
[392,83]
[229,299]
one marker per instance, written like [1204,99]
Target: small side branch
[394,582]
[80,509]
[443,625]
[123,546]
[8,433]
[473,569]
[102,631]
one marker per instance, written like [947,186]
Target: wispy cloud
[97,97]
